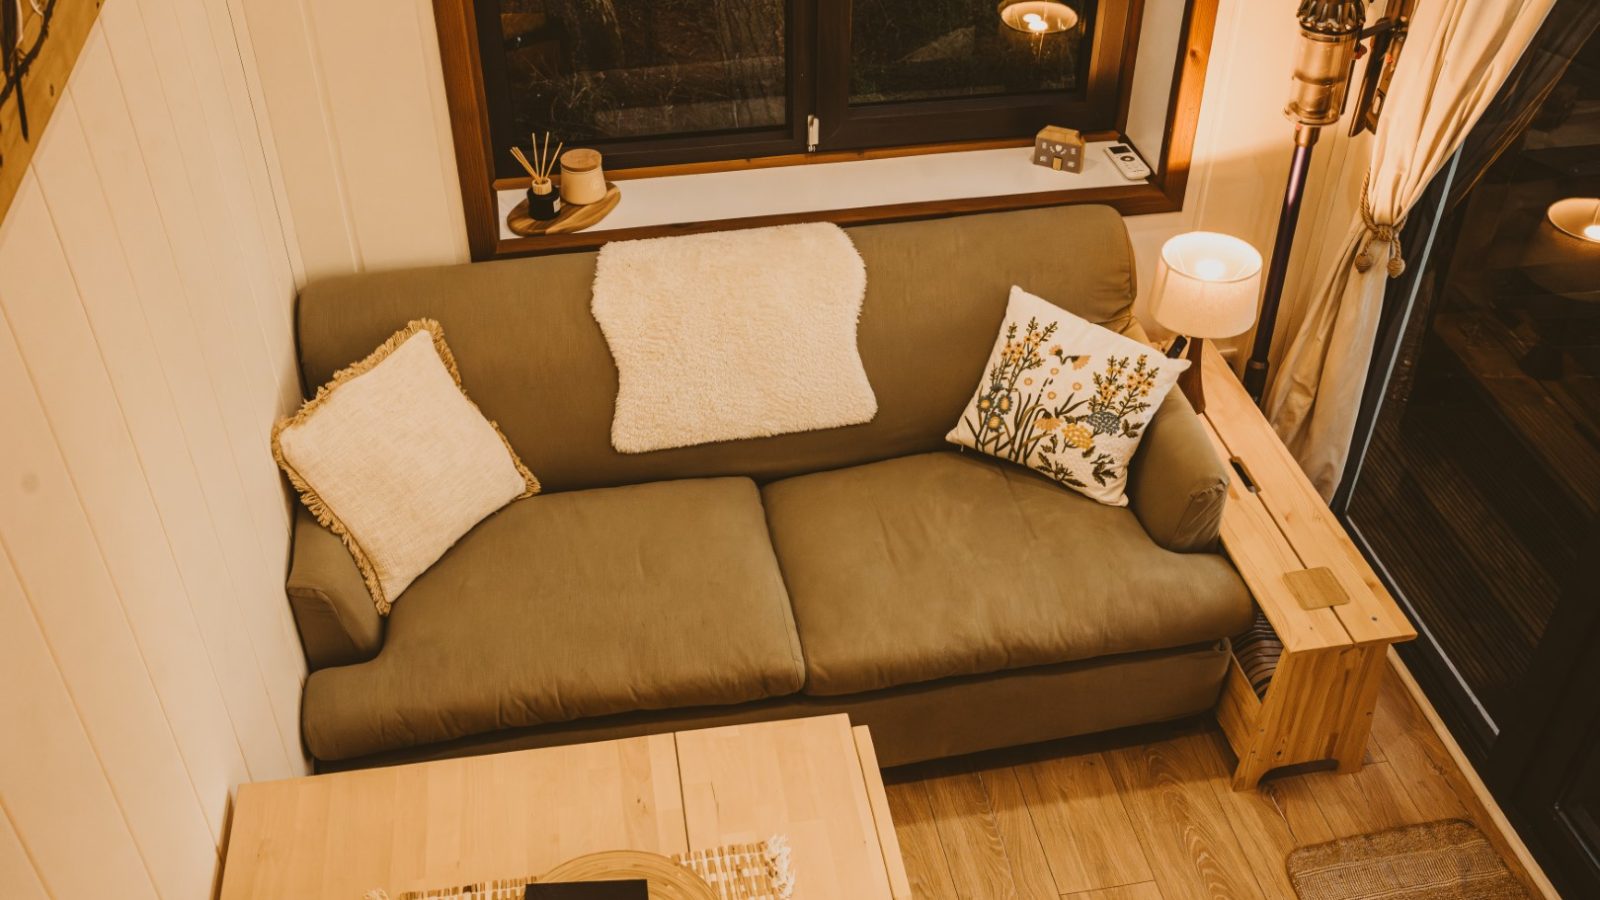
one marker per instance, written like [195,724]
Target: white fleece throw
[734,334]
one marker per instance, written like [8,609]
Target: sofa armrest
[1176,484]
[339,624]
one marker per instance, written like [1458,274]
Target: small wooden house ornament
[1059,148]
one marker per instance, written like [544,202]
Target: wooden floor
[1151,816]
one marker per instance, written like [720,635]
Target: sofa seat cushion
[569,606]
[950,564]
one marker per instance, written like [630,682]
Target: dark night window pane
[1480,493]
[591,70]
[960,48]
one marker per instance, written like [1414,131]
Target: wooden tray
[571,218]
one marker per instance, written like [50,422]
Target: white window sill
[780,190]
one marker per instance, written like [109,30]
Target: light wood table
[1331,611]
[450,822]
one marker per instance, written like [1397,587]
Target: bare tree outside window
[604,69]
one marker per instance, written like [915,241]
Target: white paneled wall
[148,659]
[355,91]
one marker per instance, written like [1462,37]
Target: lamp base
[1191,382]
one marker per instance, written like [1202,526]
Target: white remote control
[1128,162]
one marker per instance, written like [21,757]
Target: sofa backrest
[534,359]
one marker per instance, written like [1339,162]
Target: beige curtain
[1455,59]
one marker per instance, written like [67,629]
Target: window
[689,86]
[653,82]
[892,73]
[646,81]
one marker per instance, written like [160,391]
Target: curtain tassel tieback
[1379,233]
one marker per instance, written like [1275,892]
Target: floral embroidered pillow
[1066,398]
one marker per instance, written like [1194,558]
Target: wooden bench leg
[1248,773]
[1351,748]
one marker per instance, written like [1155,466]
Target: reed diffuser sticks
[544,161]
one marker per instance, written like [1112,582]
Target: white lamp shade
[1577,216]
[1207,285]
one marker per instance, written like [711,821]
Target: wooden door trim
[1188,92]
[1504,836]
[469,123]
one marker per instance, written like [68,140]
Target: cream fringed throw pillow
[393,457]
[1066,398]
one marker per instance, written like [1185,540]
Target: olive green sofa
[952,602]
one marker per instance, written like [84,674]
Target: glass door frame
[1471,723]
[1538,770]
[1425,657]
[1528,759]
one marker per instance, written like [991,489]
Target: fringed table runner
[745,871]
[732,872]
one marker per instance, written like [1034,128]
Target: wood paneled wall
[355,92]
[148,660]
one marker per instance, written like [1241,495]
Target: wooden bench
[1334,616]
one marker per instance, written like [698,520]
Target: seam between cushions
[796,651]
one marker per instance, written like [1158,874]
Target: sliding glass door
[1480,489]
[1477,484]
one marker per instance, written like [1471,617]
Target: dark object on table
[543,206]
[632,889]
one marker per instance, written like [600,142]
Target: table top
[1278,529]
[437,824]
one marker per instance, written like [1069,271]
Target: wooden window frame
[476,154]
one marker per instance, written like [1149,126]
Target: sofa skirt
[950,717]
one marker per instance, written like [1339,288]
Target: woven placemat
[745,871]
[1447,860]
[759,871]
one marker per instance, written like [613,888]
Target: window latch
[813,131]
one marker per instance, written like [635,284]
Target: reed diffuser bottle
[544,204]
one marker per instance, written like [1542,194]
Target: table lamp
[1207,286]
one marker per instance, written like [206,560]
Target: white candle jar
[582,179]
